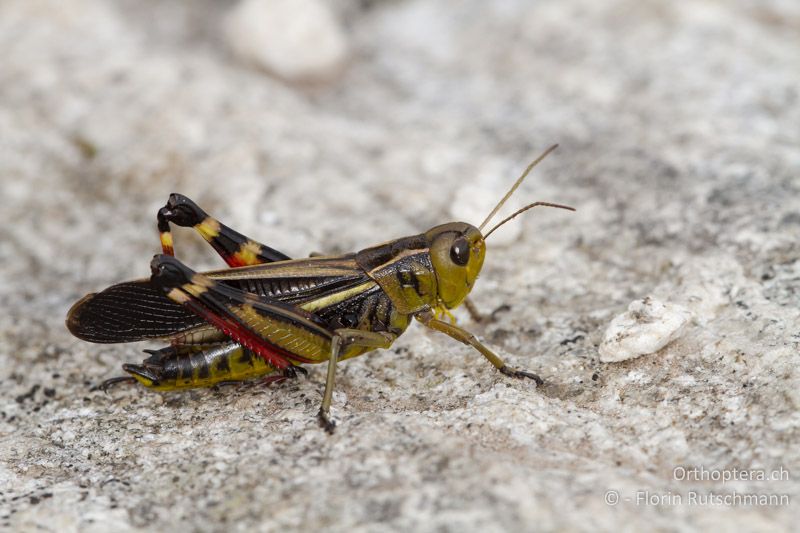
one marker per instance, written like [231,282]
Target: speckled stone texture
[678,124]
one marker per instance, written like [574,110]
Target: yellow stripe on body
[400,256]
[337,297]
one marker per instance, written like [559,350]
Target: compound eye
[459,252]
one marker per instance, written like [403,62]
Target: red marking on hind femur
[274,355]
[235,261]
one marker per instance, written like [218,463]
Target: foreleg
[342,339]
[468,338]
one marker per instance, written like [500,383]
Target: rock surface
[298,40]
[679,147]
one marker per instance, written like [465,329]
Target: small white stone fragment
[645,328]
[297,40]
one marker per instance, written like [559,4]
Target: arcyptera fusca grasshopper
[268,313]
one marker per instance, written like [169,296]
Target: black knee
[181,211]
[167,272]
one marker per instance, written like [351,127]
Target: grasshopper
[268,313]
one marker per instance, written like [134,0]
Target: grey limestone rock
[678,131]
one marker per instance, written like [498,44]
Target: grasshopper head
[457,250]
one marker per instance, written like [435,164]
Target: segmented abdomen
[198,366]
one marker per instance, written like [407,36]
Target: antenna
[531,206]
[514,188]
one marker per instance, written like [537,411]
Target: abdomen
[198,366]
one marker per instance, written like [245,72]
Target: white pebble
[297,40]
[645,328]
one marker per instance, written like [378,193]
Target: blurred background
[330,126]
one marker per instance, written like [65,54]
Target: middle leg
[342,339]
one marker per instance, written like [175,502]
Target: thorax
[403,270]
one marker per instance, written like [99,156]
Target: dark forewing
[127,312]
[138,310]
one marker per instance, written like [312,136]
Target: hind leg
[292,372]
[104,386]
[236,249]
[156,357]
